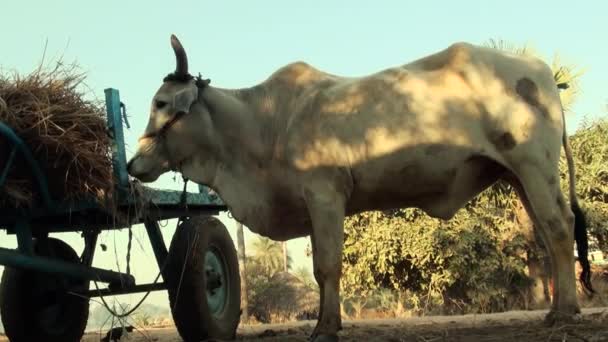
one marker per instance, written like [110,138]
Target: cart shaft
[12,258]
[126,290]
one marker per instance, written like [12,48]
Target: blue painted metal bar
[9,163]
[119,157]
[24,237]
[39,177]
[211,198]
[90,241]
[156,240]
[18,260]
[128,290]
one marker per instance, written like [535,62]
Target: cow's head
[179,124]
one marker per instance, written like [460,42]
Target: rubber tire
[18,308]
[191,314]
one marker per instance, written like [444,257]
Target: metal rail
[19,260]
[19,145]
[126,290]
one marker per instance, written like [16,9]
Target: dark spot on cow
[548,154]
[433,150]
[504,141]
[528,90]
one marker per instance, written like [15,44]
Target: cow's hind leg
[318,276]
[546,206]
[326,211]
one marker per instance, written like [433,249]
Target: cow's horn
[181,67]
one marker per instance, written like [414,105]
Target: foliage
[306,277]
[284,297]
[258,278]
[590,153]
[466,259]
[269,255]
[143,319]
[100,318]
[276,296]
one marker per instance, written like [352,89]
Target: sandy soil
[515,326]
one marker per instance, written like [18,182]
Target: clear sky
[125,45]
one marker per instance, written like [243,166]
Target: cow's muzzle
[143,170]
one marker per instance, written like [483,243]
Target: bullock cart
[45,287]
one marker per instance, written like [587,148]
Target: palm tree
[285,256]
[269,254]
[305,276]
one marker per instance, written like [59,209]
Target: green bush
[471,263]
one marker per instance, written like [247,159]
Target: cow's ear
[183,99]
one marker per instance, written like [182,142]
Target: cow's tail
[580,222]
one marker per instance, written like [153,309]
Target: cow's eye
[160,104]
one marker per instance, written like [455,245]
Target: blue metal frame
[87,215]
[19,145]
[119,157]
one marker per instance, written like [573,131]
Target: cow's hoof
[561,317]
[326,338]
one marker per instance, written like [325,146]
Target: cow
[295,154]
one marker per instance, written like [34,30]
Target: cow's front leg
[327,214]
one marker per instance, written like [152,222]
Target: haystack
[66,133]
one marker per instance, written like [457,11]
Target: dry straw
[67,134]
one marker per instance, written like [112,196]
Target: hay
[67,134]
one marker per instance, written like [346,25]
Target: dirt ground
[515,326]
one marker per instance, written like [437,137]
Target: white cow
[295,154]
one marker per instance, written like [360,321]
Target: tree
[305,276]
[590,146]
[285,256]
[268,289]
[474,259]
[269,254]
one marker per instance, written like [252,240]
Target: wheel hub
[214,280]
[216,283]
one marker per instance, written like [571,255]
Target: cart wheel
[203,282]
[37,306]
